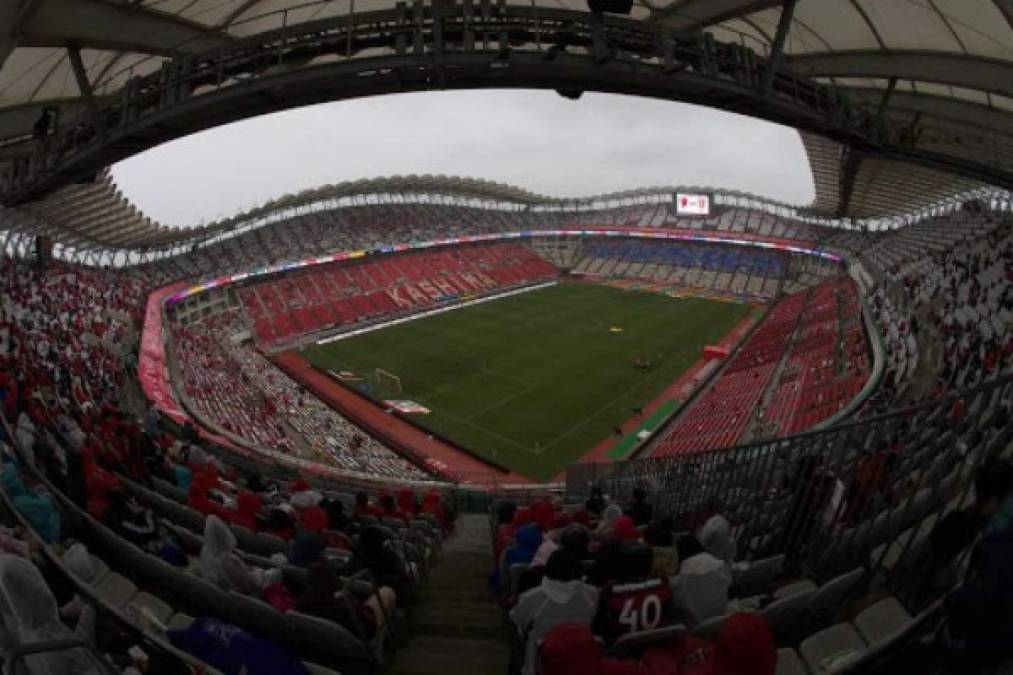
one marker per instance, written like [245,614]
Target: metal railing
[828,499]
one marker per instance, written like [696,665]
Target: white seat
[795,589]
[882,620]
[179,621]
[156,607]
[788,663]
[314,669]
[830,650]
[116,589]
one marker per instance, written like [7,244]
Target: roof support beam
[697,14]
[955,69]
[777,49]
[84,86]
[852,161]
[885,101]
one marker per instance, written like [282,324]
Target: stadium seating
[236,389]
[741,272]
[833,528]
[345,294]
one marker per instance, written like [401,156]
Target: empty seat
[179,621]
[788,663]
[831,597]
[153,606]
[116,589]
[788,617]
[882,620]
[758,577]
[269,544]
[795,589]
[830,650]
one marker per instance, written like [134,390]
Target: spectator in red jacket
[248,505]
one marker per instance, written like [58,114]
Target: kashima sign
[692,205]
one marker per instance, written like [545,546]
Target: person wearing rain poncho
[30,617]
[562,597]
[220,564]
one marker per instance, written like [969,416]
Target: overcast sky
[534,139]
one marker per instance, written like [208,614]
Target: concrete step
[435,655]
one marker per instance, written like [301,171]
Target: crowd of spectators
[233,386]
[614,570]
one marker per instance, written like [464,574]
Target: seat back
[758,577]
[789,617]
[831,597]
[632,644]
[331,640]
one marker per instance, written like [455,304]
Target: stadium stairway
[459,628]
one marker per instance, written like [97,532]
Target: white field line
[433,312]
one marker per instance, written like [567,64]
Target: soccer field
[533,381]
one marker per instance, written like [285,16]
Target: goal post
[387,381]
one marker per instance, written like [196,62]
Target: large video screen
[692,205]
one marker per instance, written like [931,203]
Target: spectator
[364,508]
[980,612]
[522,551]
[132,521]
[550,541]
[661,540]
[248,506]
[562,597]
[596,503]
[309,544]
[571,648]
[325,598]
[220,564]
[609,517]
[639,510]
[745,646]
[336,518]
[406,503]
[378,551]
[30,616]
[279,523]
[715,536]
[389,509]
[634,601]
[701,586]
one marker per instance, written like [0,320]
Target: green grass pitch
[535,380]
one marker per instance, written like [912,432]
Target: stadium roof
[939,70]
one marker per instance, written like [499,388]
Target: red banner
[151,368]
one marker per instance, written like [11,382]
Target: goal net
[387,383]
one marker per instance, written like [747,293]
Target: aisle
[459,630]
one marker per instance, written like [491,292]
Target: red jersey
[632,607]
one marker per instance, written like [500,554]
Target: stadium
[435,424]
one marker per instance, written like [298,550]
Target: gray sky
[533,139]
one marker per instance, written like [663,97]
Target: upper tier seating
[358,227]
[327,296]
